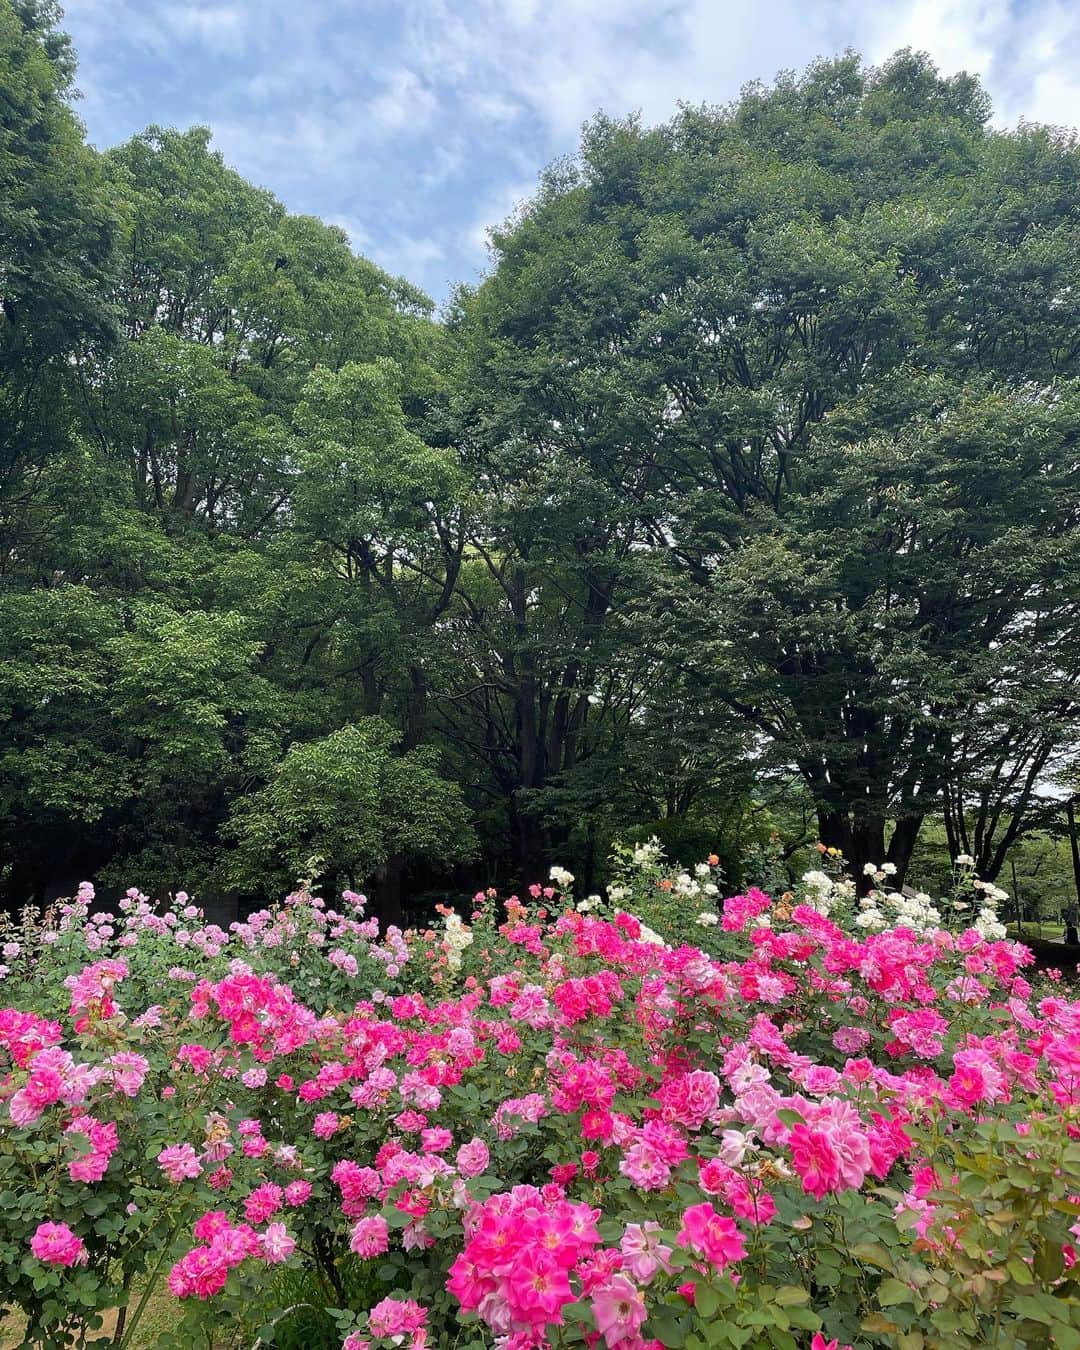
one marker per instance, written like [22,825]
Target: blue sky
[418,124]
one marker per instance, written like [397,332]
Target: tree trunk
[834,830]
[416,708]
[902,845]
[26,885]
[529,845]
[860,841]
[867,845]
[1073,910]
[590,857]
[386,899]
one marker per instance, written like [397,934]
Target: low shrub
[657,1118]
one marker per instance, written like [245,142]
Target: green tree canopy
[743,491]
[819,345]
[57,230]
[342,807]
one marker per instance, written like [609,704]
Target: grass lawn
[159,1315]
[1048,931]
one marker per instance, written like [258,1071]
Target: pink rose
[58,1245]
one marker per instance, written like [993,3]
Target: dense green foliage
[744,491]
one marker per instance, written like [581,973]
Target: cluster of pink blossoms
[752,1113]
[92,990]
[530,1252]
[261,1012]
[54,1077]
[203,1271]
[711,1235]
[395,1318]
[104,1140]
[522,1249]
[23,1034]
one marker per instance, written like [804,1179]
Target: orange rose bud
[713,860]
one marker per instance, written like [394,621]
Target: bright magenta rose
[58,1245]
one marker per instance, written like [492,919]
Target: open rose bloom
[57,1245]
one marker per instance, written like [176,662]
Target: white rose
[817,881]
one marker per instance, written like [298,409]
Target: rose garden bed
[659,1118]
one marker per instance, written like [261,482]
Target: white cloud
[404,103]
[961,35]
[360,241]
[1027,58]
[408,256]
[567,58]
[219,27]
[440,163]
[419,124]
[1054,98]
[492,105]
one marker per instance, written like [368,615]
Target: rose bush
[660,1118]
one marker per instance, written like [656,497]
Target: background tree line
[741,496]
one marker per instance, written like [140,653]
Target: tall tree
[173,535]
[819,346]
[57,229]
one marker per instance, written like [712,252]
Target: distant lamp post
[1072,910]
[1017,901]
